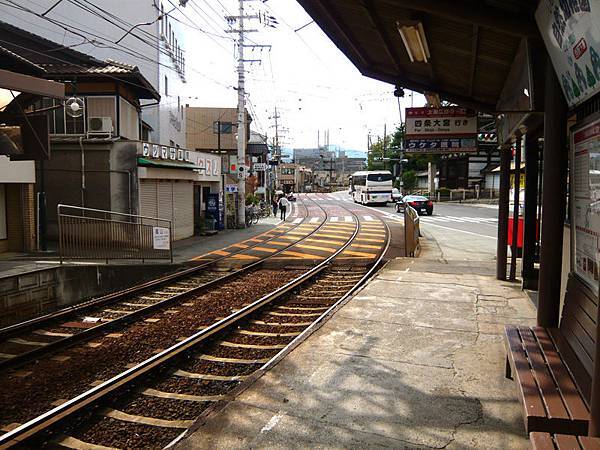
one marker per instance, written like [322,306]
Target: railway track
[161,395]
[27,341]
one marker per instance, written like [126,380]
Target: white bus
[371,186]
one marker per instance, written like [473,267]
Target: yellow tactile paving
[316,247]
[376,247]
[264,249]
[359,254]
[244,257]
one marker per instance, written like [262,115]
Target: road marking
[376,247]
[334,219]
[359,254]
[335,236]
[244,257]
[462,231]
[371,234]
[369,240]
[264,249]
[301,255]
[264,333]
[325,241]
[348,219]
[239,245]
[220,253]
[368,218]
[314,219]
[26,342]
[315,247]
[298,220]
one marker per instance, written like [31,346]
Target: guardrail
[91,234]
[411,231]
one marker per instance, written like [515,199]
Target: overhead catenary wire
[98,41]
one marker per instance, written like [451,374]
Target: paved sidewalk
[414,360]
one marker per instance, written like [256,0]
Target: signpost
[440,130]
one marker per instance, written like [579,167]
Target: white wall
[16,171]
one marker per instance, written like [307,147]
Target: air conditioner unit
[100,125]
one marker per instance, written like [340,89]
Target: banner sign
[441,130]
[585,148]
[231,188]
[571,33]
[260,167]
[209,165]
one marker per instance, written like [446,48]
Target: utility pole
[241,109]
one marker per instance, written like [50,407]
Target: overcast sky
[312,84]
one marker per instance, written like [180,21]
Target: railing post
[450,195]
[171,238]
[60,235]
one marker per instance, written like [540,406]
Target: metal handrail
[88,236]
[62,205]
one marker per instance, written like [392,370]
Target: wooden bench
[547,441]
[553,367]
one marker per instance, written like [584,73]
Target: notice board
[585,185]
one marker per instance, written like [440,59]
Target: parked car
[396,195]
[419,202]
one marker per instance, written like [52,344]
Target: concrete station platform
[414,360]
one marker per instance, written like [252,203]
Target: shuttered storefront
[171,200]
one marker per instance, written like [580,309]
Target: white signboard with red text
[441,130]
[571,33]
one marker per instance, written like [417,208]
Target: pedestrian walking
[274,205]
[283,205]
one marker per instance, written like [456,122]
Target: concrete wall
[27,295]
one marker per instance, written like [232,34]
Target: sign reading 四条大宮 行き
[571,33]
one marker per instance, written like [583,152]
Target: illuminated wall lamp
[415,42]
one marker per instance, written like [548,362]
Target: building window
[166,86]
[171,142]
[226,127]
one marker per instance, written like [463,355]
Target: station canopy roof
[460,49]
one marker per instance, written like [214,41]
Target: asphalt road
[462,231]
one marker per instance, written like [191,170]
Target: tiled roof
[110,68]
[13,55]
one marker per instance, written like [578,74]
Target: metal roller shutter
[183,209]
[148,198]
[165,200]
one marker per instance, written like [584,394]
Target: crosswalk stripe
[313,220]
[368,218]
[334,219]
[348,219]
[298,220]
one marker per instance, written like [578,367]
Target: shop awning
[167,164]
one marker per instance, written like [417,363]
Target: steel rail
[51,347]
[59,413]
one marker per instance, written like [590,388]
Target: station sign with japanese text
[441,145]
[440,130]
[571,33]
